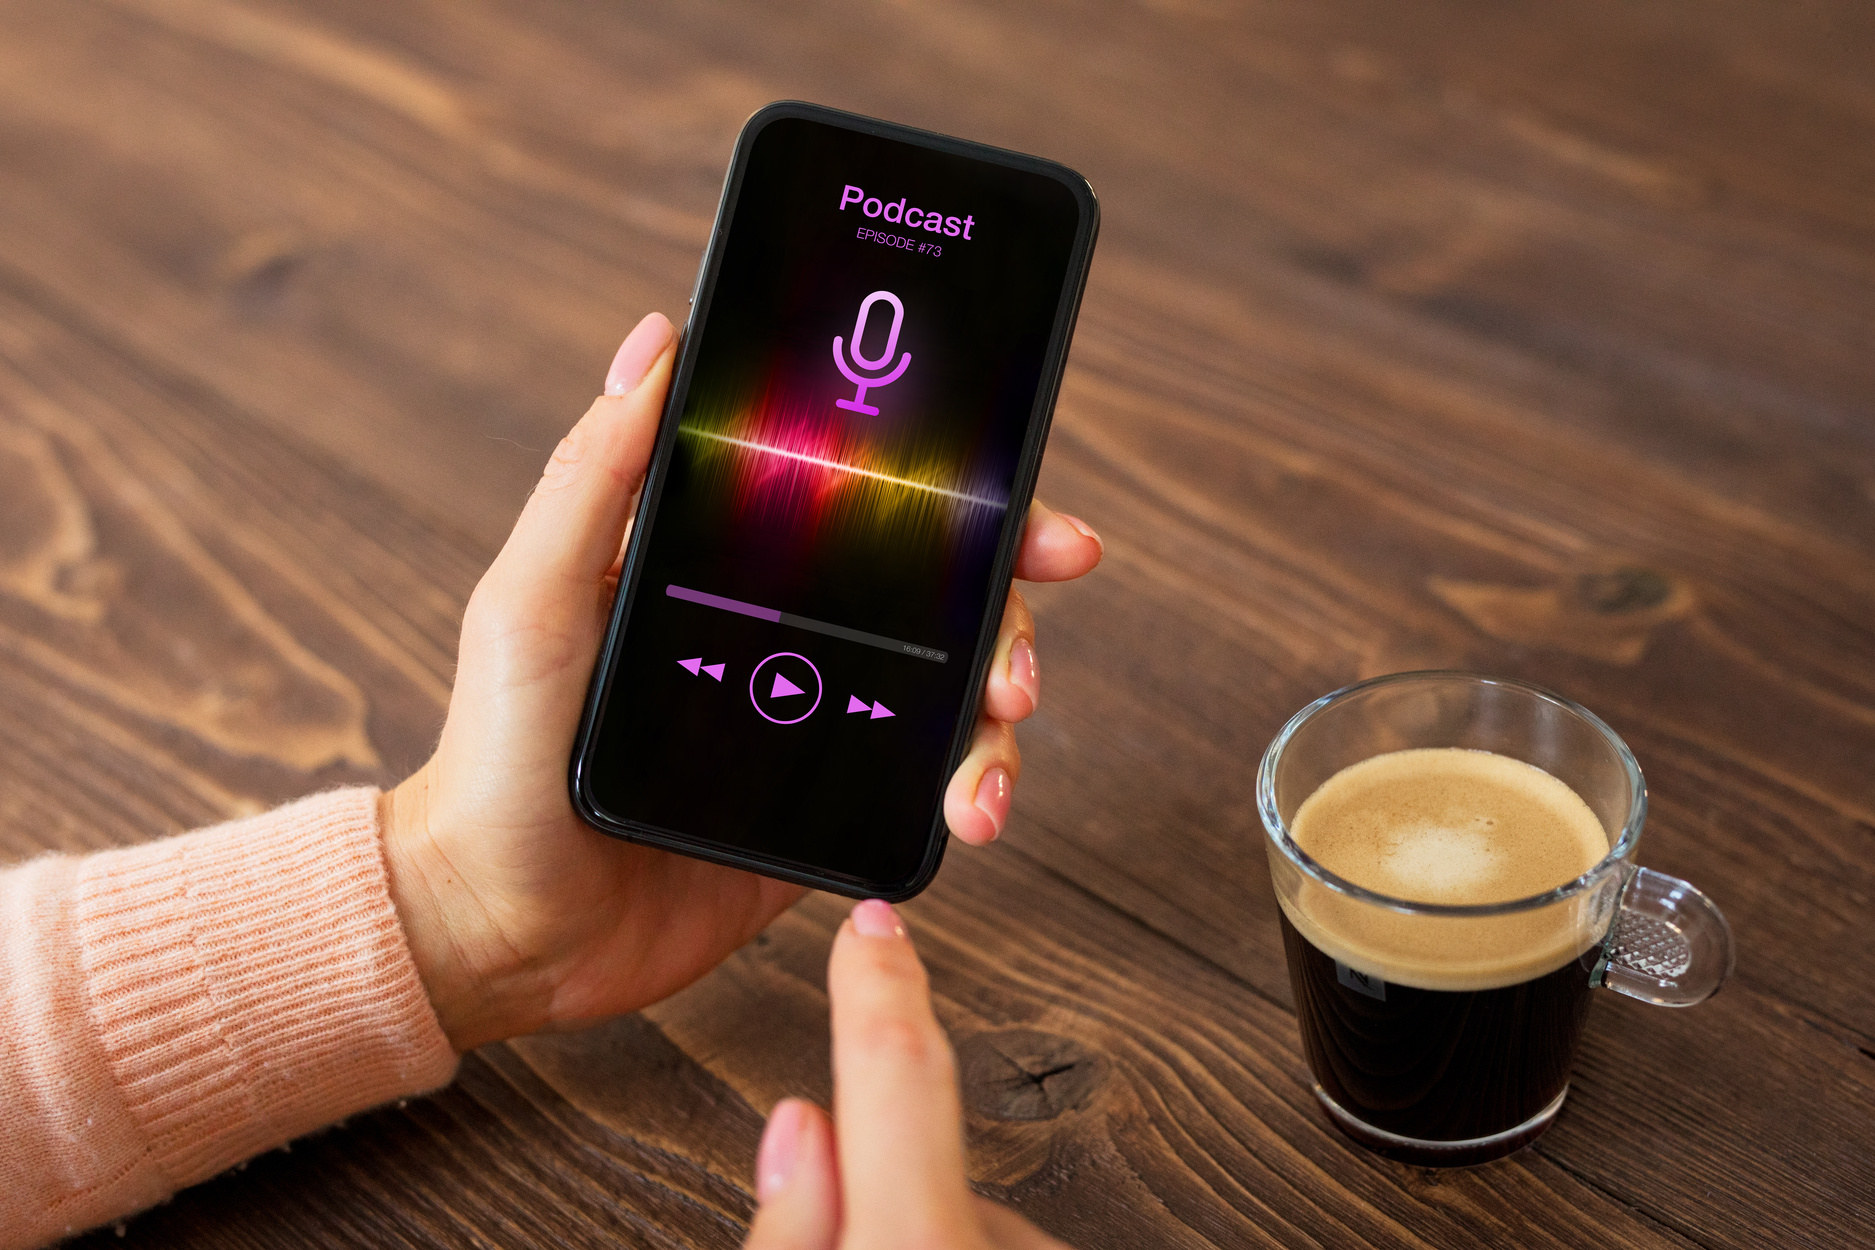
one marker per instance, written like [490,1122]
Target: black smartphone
[823,546]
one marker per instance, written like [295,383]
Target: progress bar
[803,622]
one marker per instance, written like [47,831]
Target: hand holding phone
[519,916]
[809,603]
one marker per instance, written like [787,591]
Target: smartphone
[822,549]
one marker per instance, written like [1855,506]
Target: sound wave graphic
[839,467]
[799,465]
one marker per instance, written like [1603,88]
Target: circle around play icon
[756,676]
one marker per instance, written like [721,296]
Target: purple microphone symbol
[858,402]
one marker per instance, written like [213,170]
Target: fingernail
[1025,672]
[780,1149]
[1083,529]
[637,354]
[875,918]
[993,797]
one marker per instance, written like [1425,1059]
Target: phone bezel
[1022,490]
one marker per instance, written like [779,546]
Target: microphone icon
[858,402]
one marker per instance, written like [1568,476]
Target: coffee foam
[1452,826]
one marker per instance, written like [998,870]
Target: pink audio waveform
[807,466]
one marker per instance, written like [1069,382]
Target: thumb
[569,533]
[797,1181]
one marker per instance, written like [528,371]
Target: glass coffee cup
[1442,1033]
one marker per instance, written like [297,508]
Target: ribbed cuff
[251,982]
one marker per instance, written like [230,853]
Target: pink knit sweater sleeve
[170,1009]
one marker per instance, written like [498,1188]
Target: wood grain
[1525,338]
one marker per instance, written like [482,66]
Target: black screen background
[846,794]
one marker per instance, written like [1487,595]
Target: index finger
[899,1120]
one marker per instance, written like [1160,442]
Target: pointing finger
[900,1122]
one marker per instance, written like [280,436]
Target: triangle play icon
[856,704]
[880,709]
[691,665]
[784,687]
[714,670]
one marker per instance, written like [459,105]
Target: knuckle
[997,737]
[563,465]
[904,1044]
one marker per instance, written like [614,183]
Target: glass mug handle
[1668,944]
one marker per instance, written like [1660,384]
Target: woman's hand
[887,1169]
[520,916]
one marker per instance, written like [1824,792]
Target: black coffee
[1438,1027]
[1437,1065]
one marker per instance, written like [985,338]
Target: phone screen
[856,428]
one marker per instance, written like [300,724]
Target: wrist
[474,1001]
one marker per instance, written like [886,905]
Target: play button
[785,688]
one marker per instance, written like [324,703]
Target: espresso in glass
[1453,856]
[1409,1030]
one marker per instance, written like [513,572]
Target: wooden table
[1518,337]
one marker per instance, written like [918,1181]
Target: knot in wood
[1022,1074]
[1623,590]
